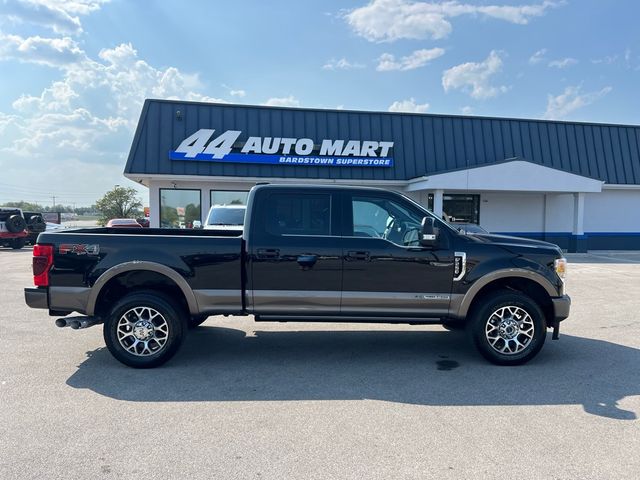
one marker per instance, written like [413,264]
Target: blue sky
[75,73]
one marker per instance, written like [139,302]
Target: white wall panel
[559,213]
[612,211]
[512,212]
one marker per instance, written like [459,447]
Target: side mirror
[429,233]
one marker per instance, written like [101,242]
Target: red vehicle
[123,223]
[13,228]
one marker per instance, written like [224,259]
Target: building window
[179,208]
[228,197]
[461,208]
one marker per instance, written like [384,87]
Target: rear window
[226,216]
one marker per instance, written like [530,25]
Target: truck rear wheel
[144,330]
[508,328]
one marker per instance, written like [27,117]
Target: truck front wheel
[508,328]
[144,330]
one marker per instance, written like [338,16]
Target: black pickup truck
[307,253]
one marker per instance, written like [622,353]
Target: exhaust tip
[61,322]
[75,324]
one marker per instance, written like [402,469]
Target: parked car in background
[13,227]
[35,225]
[467,227]
[144,222]
[123,223]
[226,217]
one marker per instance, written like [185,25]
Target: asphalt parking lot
[312,401]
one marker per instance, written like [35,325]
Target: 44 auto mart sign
[282,150]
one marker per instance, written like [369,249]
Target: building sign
[282,151]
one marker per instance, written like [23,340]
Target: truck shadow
[415,367]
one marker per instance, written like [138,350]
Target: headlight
[560,266]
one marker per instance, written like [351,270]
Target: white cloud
[289,101]
[408,106]
[571,100]
[61,16]
[563,63]
[342,64]
[467,110]
[625,60]
[607,60]
[235,92]
[52,52]
[387,62]
[475,78]
[85,119]
[390,20]
[538,56]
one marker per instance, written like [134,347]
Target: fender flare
[464,302]
[141,265]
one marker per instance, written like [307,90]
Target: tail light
[42,263]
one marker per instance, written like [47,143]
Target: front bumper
[561,307]
[36,297]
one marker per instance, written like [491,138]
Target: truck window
[380,217]
[298,214]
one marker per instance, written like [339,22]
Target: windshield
[226,216]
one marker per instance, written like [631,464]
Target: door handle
[359,255]
[268,252]
[307,260]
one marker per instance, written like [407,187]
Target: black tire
[17,243]
[512,334]
[196,320]
[16,224]
[152,353]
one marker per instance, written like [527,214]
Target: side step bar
[78,322]
[348,319]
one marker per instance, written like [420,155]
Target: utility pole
[54,202]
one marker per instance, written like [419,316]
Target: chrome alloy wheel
[509,330]
[142,331]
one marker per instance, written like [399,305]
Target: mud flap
[556,330]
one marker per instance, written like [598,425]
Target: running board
[348,319]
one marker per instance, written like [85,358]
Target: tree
[29,207]
[121,202]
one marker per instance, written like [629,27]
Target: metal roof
[424,144]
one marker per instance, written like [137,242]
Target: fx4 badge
[79,249]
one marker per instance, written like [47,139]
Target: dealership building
[573,184]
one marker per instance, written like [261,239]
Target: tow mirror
[429,233]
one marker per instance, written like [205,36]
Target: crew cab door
[386,272]
[295,257]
